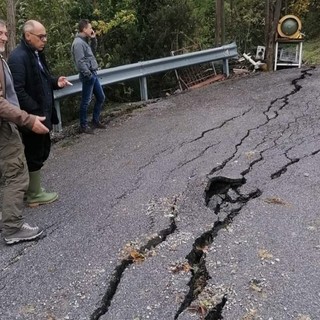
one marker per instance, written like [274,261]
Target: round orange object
[289,27]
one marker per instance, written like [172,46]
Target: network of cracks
[222,195]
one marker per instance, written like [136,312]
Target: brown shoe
[99,125]
[87,130]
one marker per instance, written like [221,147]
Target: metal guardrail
[143,69]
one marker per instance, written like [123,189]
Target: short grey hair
[28,26]
[3,23]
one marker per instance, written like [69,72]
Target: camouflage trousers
[14,171]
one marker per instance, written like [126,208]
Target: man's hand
[63,82]
[39,127]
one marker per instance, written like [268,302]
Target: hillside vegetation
[311,52]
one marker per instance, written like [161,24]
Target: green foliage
[311,52]
[113,36]
[165,27]
[149,31]
[310,20]
[204,15]
[300,7]
[245,23]
[135,30]
[54,14]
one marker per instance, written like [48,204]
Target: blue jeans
[91,86]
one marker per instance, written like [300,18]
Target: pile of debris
[256,63]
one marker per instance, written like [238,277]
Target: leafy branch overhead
[131,31]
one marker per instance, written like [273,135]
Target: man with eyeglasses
[34,86]
[13,165]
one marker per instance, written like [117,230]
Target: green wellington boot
[35,194]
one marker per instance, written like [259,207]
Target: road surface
[203,205]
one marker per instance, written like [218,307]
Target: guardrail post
[226,67]
[143,88]
[57,127]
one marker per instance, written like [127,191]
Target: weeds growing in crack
[216,312]
[196,259]
[199,278]
[125,263]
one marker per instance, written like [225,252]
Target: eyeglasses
[42,37]
[3,33]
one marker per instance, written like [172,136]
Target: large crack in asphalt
[224,123]
[125,263]
[283,103]
[284,168]
[216,312]
[223,193]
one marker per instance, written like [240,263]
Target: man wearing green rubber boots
[34,86]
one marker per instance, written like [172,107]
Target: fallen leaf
[185,267]
[199,309]
[255,285]
[137,256]
[28,309]
[275,200]
[250,315]
[264,254]
[250,154]
[303,317]
[204,248]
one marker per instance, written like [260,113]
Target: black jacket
[34,87]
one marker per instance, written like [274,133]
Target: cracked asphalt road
[131,237]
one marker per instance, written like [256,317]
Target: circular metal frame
[297,34]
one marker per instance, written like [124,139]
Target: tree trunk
[267,21]
[273,9]
[11,25]
[220,34]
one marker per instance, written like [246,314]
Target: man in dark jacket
[12,160]
[34,86]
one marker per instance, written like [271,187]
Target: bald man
[34,86]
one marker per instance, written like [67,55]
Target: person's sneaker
[99,125]
[25,233]
[87,130]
